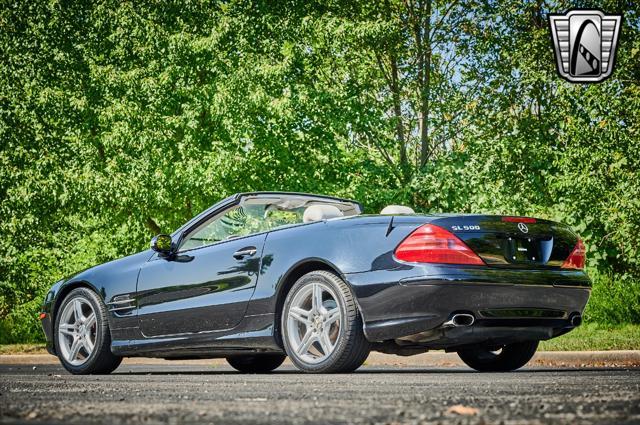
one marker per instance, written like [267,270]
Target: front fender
[106,280]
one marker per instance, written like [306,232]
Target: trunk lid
[513,242]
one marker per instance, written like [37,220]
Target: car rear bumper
[507,305]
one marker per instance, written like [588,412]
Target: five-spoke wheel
[77,331]
[314,322]
[82,337]
[322,329]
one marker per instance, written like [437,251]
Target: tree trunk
[397,111]
[422,32]
[394,86]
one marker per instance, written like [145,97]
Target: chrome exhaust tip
[576,320]
[459,319]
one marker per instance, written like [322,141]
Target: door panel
[204,289]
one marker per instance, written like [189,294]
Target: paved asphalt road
[177,394]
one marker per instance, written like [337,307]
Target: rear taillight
[433,244]
[576,259]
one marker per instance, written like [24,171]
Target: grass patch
[594,336]
[22,349]
[590,336]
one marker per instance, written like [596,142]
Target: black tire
[101,360]
[351,347]
[259,363]
[510,357]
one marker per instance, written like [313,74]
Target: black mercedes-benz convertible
[265,275]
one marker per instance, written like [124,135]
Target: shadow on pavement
[368,371]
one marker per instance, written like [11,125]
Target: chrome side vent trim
[121,304]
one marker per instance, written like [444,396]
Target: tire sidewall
[259,363]
[345,322]
[512,357]
[100,329]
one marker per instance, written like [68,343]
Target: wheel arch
[64,291]
[290,278]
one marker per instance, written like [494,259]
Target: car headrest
[397,210]
[320,212]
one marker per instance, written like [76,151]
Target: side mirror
[162,244]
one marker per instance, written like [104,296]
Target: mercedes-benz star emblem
[523,228]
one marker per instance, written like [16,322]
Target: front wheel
[260,363]
[82,336]
[321,326]
[499,359]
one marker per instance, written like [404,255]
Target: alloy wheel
[314,322]
[77,331]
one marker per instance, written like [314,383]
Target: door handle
[245,252]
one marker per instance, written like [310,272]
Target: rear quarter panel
[350,245]
[361,250]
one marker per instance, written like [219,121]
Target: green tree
[120,120]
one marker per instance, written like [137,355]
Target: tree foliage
[123,119]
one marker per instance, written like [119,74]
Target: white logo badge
[523,228]
[585,44]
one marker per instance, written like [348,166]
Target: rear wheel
[321,325]
[499,359]
[82,336]
[259,363]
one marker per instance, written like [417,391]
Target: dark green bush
[614,299]
[22,324]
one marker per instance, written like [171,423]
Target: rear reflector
[577,257]
[42,316]
[433,244]
[519,219]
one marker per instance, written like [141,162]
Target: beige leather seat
[320,212]
[397,210]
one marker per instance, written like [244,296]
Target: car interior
[256,214]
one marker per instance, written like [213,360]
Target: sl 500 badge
[459,228]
